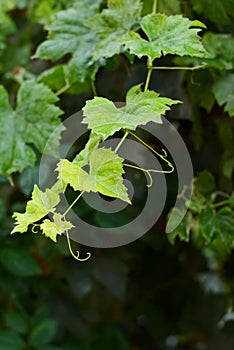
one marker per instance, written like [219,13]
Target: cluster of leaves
[101,36]
[112,35]
[208,220]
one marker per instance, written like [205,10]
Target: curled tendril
[162,156]
[35,228]
[78,253]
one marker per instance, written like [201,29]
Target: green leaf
[218,11]
[217,225]
[15,321]
[112,23]
[41,204]
[83,156]
[69,35]
[19,262]
[169,7]
[55,79]
[53,228]
[183,230]
[220,47]
[42,11]
[32,122]
[105,119]
[224,93]
[105,174]
[43,333]
[11,341]
[166,35]
[205,183]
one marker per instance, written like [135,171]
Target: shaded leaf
[69,35]
[19,262]
[205,183]
[217,225]
[224,93]
[32,122]
[112,23]
[43,332]
[16,321]
[169,7]
[218,11]
[11,341]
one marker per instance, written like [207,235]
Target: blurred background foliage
[149,294]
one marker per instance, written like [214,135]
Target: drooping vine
[101,115]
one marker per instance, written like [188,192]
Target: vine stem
[220,204]
[78,253]
[73,203]
[150,70]
[181,68]
[122,141]
[154,7]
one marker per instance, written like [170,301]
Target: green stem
[154,7]
[73,203]
[148,171]
[72,253]
[220,204]
[182,68]
[62,90]
[122,141]
[163,157]
[150,70]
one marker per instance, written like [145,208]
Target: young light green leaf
[39,206]
[57,227]
[32,122]
[112,23]
[83,157]
[69,35]
[224,92]
[105,174]
[104,118]
[166,35]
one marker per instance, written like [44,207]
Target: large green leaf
[105,174]
[224,93]
[69,35]
[32,122]
[112,23]
[218,11]
[104,118]
[39,206]
[166,35]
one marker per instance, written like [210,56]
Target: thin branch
[182,68]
